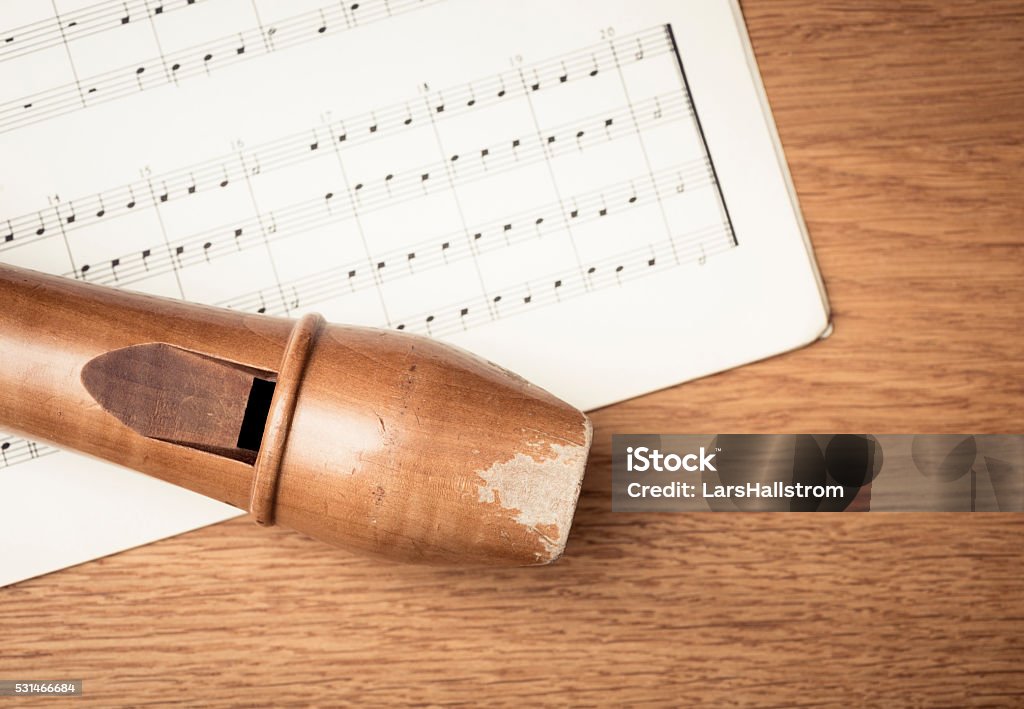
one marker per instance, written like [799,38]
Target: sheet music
[531,181]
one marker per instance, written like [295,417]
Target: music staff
[503,233]
[309,144]
[194,61]
[82,23]
[18,450]
[365,197]
[362,198]
[558,287]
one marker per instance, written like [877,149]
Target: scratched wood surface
[903,126]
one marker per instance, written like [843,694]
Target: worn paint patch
[541,490]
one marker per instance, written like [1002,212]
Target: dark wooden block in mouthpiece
[171,394]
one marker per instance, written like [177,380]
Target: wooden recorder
[377,441]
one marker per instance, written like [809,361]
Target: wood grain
[371,458]
[903,126]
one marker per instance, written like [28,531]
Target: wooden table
[903,124]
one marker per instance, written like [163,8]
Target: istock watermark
[641,459]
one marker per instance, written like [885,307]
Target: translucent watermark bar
[818,473]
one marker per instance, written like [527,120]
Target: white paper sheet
[538,182]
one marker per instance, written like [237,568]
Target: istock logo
[641,459]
